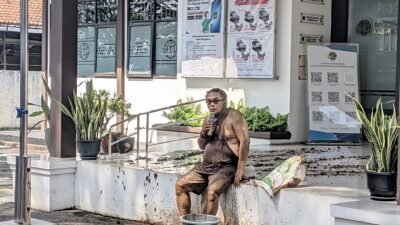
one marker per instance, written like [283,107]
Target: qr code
[334,116]
[317,116]
[316,96]
[333,97]
[333,78]
[350,116]
[316,77]
[347,98]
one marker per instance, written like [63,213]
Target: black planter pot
[382,186]
[88,150]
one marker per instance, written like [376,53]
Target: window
[10,51]
[152,38]
[96,52]
[35,52]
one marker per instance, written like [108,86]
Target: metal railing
[138,128]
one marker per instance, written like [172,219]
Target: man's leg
[182,198]
[190,182]
[218,184]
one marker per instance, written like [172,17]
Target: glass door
[373,25]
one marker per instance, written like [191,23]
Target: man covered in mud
[225,140]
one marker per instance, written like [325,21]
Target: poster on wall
[203,54]
[250,39]
[332,76]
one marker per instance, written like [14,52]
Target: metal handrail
[138,128]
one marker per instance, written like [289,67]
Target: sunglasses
[215,101]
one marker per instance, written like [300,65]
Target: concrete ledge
[30,146]
[15,139]
[196,130]
[52,182]
[148,195]
[366,212]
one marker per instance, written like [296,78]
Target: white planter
[52,182]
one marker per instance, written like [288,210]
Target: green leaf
[187,115]
[382,133]
[37,113]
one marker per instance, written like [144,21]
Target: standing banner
[203,54]
[333,72]
[250,39]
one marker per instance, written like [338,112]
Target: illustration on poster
[215,24]
[251,2]
[235,19]
[241,47]
[264,16]
[249,17]
[257,47]
[212,18]
[206,22]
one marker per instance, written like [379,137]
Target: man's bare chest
[229,131]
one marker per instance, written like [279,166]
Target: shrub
[261,119]
[186,115]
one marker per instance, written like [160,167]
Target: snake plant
[382,132]
[87,112]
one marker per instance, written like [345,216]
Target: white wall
[149,94]
[10,97]
[284,95]
[149,196]
[298,120]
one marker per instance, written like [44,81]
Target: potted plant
[87,113]
[382,132]
[126,145]
[116,105]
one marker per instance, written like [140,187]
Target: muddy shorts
[198,179]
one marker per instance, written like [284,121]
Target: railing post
[138,127]
[109,142]
[147,135]
[137,136]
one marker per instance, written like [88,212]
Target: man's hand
[238,177]
[205,128]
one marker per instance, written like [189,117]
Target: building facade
[143,46]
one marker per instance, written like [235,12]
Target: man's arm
[242,134]
[203,139]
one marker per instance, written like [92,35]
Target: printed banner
[203,38]
[333,72]
[250,36]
